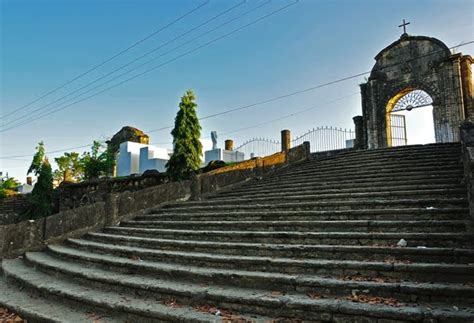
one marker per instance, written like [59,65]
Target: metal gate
[397,134]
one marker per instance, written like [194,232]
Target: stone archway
[424,63]
[400,108]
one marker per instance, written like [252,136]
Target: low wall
[467,142]
[30,235]
[73,195]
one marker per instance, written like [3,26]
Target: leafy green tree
[186,157]
[8,186]
[41,196]
[69,168]
[38,159]
[97,163]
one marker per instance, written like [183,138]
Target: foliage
[38,159]
[8,186]
[42,194]
[97,163]
[69,168]
[186,157]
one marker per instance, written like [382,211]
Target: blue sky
[45,43]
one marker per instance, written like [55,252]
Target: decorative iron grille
[326,138]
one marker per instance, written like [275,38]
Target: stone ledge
[15,239]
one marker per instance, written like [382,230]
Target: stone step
[376,165]
[323,194]
[396,151]
[190,266]
[360,159]
[366,174]
[427,178]
[150,263]
[33,307]
[298,251]
[282,305]
[307,226]
[456,240]
[459,213]
[354,183]
[137,308]
[302,204]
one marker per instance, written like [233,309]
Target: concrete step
[136,308]
[363,182]
[321,192]
[456,240]
[458,213]
[367,174]
[377,165]
[298,251]
[303,204]
[307,226]
[393,152]
[217,275]
[310,195]
[262,302]
[360,159]
[33,307]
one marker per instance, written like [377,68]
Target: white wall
[153,158]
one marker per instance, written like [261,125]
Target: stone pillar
[359,132]
[285,140]
[467,88]
[229,145]
[111,209]
[29,180]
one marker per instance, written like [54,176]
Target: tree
[42,194]
[69,168]
[186,157]
[38,159]
[97,163]
[8,186]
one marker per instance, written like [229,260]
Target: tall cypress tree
[42,195]
[187,151]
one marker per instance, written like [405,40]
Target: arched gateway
[413,72]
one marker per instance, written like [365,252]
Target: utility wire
[155,67]
[108,59]
[282,96]
[123,66]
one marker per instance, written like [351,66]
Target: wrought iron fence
[326,138]
[320,138]
[259,147]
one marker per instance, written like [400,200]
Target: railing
[320,139]
[259,147]
[326,138]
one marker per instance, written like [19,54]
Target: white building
[135,158]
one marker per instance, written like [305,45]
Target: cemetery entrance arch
[417,63]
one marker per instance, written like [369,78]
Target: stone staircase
[312,242]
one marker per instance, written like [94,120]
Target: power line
[108,59]
[125,65]
[281,96]
[155,67]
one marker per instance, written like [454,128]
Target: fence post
[359,132]
[229,144]
[285,140]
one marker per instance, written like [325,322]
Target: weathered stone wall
[13,208]
[467,141]
[17,238]
[410,63]
[73,195]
